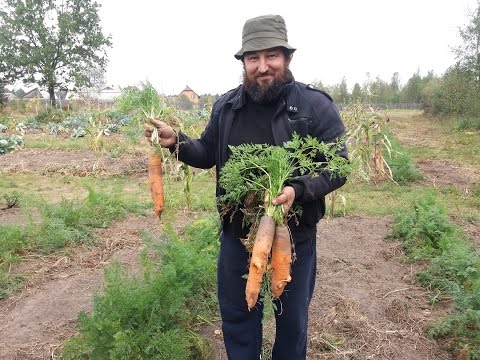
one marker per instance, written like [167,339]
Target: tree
[412,91]
[395,88]
[357,92]
[51,42]
[3,97]
[468,54]
[344,96]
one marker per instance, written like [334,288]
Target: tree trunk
[51,92]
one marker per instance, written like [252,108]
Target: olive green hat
[264,32]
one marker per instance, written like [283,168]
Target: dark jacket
[302,109]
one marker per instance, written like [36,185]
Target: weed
[11,200]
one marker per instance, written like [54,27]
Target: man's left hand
[285,198]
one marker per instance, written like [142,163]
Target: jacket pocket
[300,125]
[312,212]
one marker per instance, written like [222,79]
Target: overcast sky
[175,43]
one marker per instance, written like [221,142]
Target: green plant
[453,269]
[10,143]
[403,168]
[151,316]
[12,200]
[426,230]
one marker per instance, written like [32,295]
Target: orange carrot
[156,183]
[259,259]
[281,259]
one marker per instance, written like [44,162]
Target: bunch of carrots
[260,172]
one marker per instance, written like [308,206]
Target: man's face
[266,72]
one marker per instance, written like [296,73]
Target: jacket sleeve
[326,126]
[201,152]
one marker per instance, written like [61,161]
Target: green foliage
[404,169]
[468,123]
[11,199]
[51,43]
[368,139]
[8,283]
[10,143]
[151,316]
[66,223]
[453,269]
[263,170]
[426,231]
[468,53]
[3,97]
[51,115]
[139,101]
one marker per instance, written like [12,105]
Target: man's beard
[269,93]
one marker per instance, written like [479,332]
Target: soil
[366,303]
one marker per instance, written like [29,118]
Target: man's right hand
[167,136]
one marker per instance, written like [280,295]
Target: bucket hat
[264,32]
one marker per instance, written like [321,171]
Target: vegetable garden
[89,271]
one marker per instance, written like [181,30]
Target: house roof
[34,93]
[187,88]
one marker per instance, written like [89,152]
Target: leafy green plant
[426,230]
[12,199]
[264,170]
[10,143]
[66,223]
[152,316]
[404,169]
[467,123]
[453,269]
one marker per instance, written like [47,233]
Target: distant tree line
[456,92]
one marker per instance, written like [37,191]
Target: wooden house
[190,94]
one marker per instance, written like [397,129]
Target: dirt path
[364,307]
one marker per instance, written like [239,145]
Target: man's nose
[262,65]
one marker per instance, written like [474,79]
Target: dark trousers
[242,329]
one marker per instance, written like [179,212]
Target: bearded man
[266,109]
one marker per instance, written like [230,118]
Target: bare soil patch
[72,162]
[439,172]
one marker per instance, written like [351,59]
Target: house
[190,94]
[109,93]
[35,93]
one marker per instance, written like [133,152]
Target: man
[266,109]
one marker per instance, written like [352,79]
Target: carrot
[259,259]
[156,183]
[281,259]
